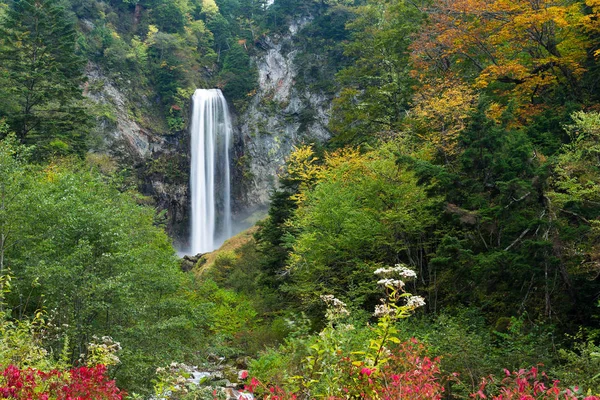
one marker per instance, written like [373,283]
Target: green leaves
[43,75]
[92,256]
[363,210]
[377,86]
[238,75]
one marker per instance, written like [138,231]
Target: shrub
[77,383]
[408,374]
[526,385]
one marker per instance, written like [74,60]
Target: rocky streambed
[215,379]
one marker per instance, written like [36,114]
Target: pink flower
[366,371]
[243,374]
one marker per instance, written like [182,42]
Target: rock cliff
[280,116]
[130,132]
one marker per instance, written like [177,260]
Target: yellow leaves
[152,30]
[527,46]
[495,111]
[593,4]
[591,22]
[209,7]
[342,156]
[440,113]
[346,162]
[301,166]
[51,173]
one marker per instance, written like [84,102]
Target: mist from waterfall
[211,135]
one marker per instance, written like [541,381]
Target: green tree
[44,75]
[498,228]
[168,16]
[238,75]
[13,185]
[575,194]
[92,257]
[376,87]
[362,212]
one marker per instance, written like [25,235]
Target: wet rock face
[279,117]
[160,162]
[173,198]
[189,262]
[122,136]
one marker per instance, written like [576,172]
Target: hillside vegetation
[445,243]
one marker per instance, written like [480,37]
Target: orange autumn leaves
[517,50]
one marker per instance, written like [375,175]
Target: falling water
[209,177]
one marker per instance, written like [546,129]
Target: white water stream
[210,182]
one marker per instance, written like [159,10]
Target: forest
[444,243]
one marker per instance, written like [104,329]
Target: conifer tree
[43,75]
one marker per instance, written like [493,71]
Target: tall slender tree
[44,76]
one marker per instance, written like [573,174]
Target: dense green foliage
[363,212]
[465,146]
[91,256]
[507,222]
[503,172]
[41,76]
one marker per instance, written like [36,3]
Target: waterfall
[210,131]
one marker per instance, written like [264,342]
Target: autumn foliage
[526,385]
[75,384]
[411,375]
[408,374]
[521,50]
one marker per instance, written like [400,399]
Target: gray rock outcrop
[279,117]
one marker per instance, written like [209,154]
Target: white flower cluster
[415,301]
[335,307]
[398,269]
[104,350]
[388,282]
[383,309]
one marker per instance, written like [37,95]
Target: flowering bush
[380,367]
[407,375]
[75,384]
[103,351]
[527,385]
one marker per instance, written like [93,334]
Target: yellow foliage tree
[518,49]
[302,167]
[440,114]
[209,7]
